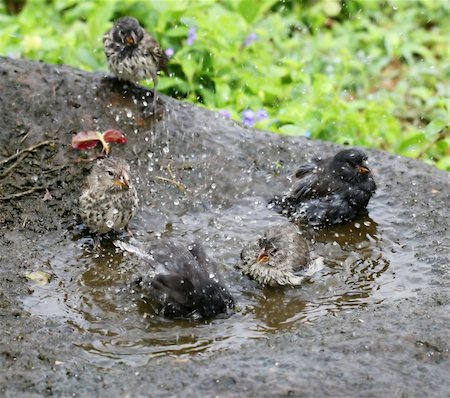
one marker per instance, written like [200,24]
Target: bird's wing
[153,49]
[314,181]
[307,168]
[327,210]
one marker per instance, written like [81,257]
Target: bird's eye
[110,173]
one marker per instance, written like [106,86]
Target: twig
[20,194]
[24,138]
[29,149]
[13,166]
[58,168]
[169,169]
[178,184]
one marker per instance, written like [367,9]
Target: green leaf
[434,128]
[292,129]
[415,140]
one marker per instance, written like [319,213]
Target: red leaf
[86,140]
[114,136]
[83,146]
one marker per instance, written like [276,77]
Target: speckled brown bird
[109,200]
[330,190]
[183,282]
[277,258]
[133,54]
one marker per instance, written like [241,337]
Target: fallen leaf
[86,140]
[47,196]
[114,136]
[40,277]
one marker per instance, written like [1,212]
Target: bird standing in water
[109,200]
[279,257]
[330,190]
[182,282]
[133,54]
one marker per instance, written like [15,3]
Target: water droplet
[357,225]
[166,149]
[115,211]
[176,202]
[129,114]
[109,223]
[34,178]
[213,186]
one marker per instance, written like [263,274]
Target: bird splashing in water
[279,257]
[180,282]
[330,190]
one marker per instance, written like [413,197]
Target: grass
[367,73]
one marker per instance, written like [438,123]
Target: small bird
[182,282]
[279,257]
[109,200]
[330,190]
[133,54]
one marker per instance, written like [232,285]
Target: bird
[278,258]
[329,190]
[182,282]
[133,54]
[109,199]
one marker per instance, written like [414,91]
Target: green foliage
[369,73]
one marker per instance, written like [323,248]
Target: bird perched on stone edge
[109,199]
[182,282]
[278,258]
[330,190]
[133,54]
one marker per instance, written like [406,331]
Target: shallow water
[365,262]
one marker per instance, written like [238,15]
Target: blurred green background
[360,72]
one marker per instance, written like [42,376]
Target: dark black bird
[278,257]
[330,190]
[183,283]
[133,54]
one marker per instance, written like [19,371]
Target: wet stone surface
[373,321]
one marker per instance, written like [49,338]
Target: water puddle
[366,261]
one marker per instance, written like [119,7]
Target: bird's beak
[263,256]
[123,182]
[363,169]
[131,39]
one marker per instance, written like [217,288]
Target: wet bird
[109,200]
[133,54]
[279,257]
[182,282]
[330,190]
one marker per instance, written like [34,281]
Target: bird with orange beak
[133,54]
[109,199]
[278,258]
